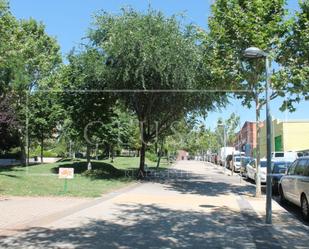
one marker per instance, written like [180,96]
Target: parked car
[236,160]
[294,186]
[286,156]
[279,169]
[214,158]
[302,154]
[244,161]
[223,154]
[251,170]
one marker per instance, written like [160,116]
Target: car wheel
[275,189]
[281,195]
[305,207]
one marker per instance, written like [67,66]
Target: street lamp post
[253,52]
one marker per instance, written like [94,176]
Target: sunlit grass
[42,180]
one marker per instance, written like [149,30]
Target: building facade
[182,155]
[246,138]
[287,136]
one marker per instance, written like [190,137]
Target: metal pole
[269,147]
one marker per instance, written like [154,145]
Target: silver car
[294,186]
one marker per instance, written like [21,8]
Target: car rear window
[279,154]
[279,168]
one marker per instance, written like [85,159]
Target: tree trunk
[42,148]
[232,162]
[159,159]
[112,154]
[96,152]
[168,157]
[258,142]
[23,148]
[160,154]
[141,172]
[70,149]
[23,158]
[109,151]
[73,151]
[28,152]
[89,166]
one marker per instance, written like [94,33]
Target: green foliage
[46,153]
[236,25]
[193,136]
[28,59]
[151,156]
[153,56]
[231,125]
[294,57]
[83,81]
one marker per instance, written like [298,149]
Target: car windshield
[280,168]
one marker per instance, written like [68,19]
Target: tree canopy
[153,61]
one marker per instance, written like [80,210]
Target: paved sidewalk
[195,206]
[17,212]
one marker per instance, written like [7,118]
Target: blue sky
[68,21]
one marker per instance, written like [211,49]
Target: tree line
[139,72]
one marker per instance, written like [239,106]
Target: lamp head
[254,52]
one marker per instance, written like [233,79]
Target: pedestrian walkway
[195,205]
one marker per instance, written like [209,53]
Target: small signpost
[66,173]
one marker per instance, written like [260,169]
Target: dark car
[278,170]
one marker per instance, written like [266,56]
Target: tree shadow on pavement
[151,226]
[201,185]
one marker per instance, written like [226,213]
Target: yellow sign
[66,173]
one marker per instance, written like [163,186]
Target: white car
[251,170]
[287,156]
[294,186]
[237,163]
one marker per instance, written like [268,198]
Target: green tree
[152,56]
[45,114]
[234,26]
[28,58]
[8,43]
[84,99]
[294,58]
[229,126]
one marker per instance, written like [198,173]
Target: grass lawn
[42,180]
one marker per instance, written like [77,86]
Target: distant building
[182,155]
[246,138]
[287,136]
